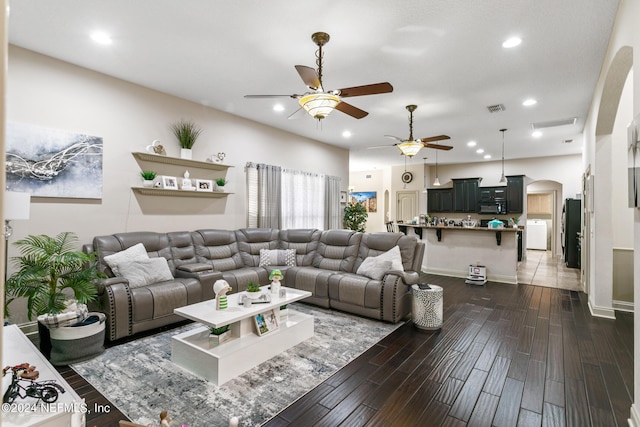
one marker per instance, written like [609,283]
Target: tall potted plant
[187,132]
[355,216]
[49,269]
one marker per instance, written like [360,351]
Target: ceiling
[445,56]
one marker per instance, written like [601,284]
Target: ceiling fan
[319,102]
[410,147]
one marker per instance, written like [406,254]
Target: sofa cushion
[133,254]
[304,241]
[252,240]
[337,250]
[217,248]
[277,257]
[145,271]
[374,244]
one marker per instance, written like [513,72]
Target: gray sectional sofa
[325,263]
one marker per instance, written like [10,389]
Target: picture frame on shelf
[169,182]
[204,185]
[266,322]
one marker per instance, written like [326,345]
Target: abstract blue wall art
[53,163]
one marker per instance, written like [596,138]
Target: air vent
[567,141]
[496,108]
[554,123]
[368,176]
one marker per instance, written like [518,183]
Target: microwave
[494,207]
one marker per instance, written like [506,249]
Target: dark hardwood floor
[506,356]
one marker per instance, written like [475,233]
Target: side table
[426,307]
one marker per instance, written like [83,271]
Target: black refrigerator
[571,223]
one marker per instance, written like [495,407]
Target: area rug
[139,378]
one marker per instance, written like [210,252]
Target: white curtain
[303,200]
[333,217]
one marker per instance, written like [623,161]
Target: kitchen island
[450,250]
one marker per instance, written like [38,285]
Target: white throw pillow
[277,257]
[145,272]
[374,268]
[392,255]
[136,252]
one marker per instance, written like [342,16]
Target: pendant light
[436,182]
[503,180]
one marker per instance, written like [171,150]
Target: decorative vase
[186,153]
[253,295]
[219,339]
[219,187]
[147,183]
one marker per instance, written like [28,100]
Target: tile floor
[541,269]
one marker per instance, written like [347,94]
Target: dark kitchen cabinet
[515,194]
[439,200]
[466,194]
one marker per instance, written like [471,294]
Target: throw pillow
[392,255]
[277,257]
[374,268]
[135,253]
[145,272]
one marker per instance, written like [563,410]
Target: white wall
[625,35]
[50,93]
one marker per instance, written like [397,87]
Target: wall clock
[407,177]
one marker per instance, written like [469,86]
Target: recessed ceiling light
[529,102]
[512,42]
[480,151]
[278,107]
[346,134]
[536,134]
[101,37]
[471,144]
[487,156]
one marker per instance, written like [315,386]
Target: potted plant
[253,290]
[220,183]
[147,178]
[219,335]
[187,132]
[49,269]
[355,216]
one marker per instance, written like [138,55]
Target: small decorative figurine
[156,148]
[220,289]
[165,419]
[186,182]
[275,276]
[218,158]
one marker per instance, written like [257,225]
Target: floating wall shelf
[180,162]
[149,191]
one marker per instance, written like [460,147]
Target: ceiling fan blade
[394,137]
[439,146]
[351,110]
[435,138]
[295,114]
[372,89]
[309,76]
[294,96]
[381,146]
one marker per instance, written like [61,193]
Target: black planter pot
[45,340]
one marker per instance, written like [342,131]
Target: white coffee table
[246,349]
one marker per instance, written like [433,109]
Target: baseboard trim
[623,306]
[607,313]
[634,421]
[463,275]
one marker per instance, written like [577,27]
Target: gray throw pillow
[277,257]
[145,272]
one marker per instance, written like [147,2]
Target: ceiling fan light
[319,105]
[410,148]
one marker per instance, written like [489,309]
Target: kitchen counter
[450,250]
